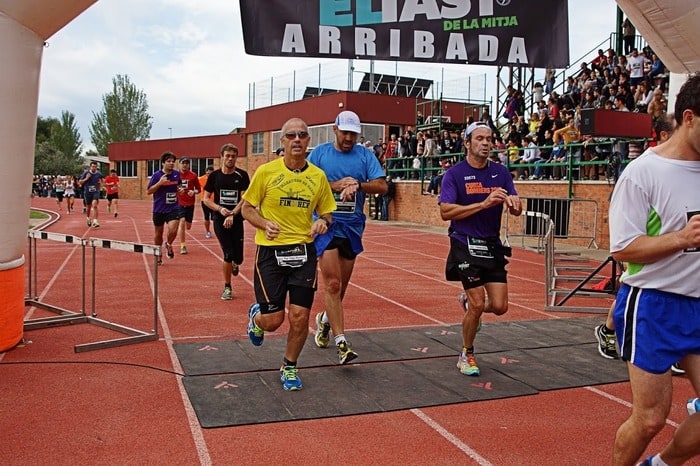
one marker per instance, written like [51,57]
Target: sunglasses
[292,135]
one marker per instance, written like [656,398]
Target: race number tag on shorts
[170,198]
[478,248]
[344,207]
[690,215]
[92,189]
[228,197]
[295,256]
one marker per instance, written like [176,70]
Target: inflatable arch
[24,27]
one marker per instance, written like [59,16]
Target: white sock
[657,461]
[324,318]
[339,339]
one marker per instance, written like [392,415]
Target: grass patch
[37,215]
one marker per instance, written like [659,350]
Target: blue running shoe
[289,378]
[693,406]
[255,333]
[647,462]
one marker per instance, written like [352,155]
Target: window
[199,166]
[126,169]
[258,146]
[152,166]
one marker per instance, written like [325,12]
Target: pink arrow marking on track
[508,361]
[225,384]
[420,350]
[486,386]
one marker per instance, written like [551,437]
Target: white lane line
[466,449]
[195,428]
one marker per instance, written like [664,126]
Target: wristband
[359,185]
[325,220]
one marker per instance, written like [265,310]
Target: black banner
[532,33]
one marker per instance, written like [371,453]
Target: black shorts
[475,271]
[59,196]
[91,196]
[230,239]
[186,212]
[160,219]
[343,246]
[111,197]
[207,212]
[273,279]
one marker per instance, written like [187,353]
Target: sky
[188,58]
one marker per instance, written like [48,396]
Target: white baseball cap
[348,121]
[477,124]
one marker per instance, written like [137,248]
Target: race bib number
[344,207]
[170,198]
[478,248]
[228,197]
[690,215]
[183,184]
[295,256]
[92,189]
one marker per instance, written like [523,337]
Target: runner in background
[163,186]
[112,185]
[206,211]
[91,182]
[186,196]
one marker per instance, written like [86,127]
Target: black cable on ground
[144,366]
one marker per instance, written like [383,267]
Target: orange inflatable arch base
[11,307]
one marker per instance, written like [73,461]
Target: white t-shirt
[635,66]
[655,196]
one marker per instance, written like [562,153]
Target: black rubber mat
[222,357]
[234,383]
[252,398]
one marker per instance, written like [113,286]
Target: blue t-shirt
[463,185]
[92,184]
[165,199]
[360,164]
[349,217]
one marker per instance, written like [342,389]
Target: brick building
[381,115]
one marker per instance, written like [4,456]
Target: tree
[43,128]
[65,136]
[49,161]
[58,146]
[124,116]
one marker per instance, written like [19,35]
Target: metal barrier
[539,233]
[564,267]
[68,317]
[572,218]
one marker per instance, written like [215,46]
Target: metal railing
[573,169]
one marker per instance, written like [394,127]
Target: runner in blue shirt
[353,172]
[91,182]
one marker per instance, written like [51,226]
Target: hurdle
[69,317]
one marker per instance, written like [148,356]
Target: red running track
[111,406]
